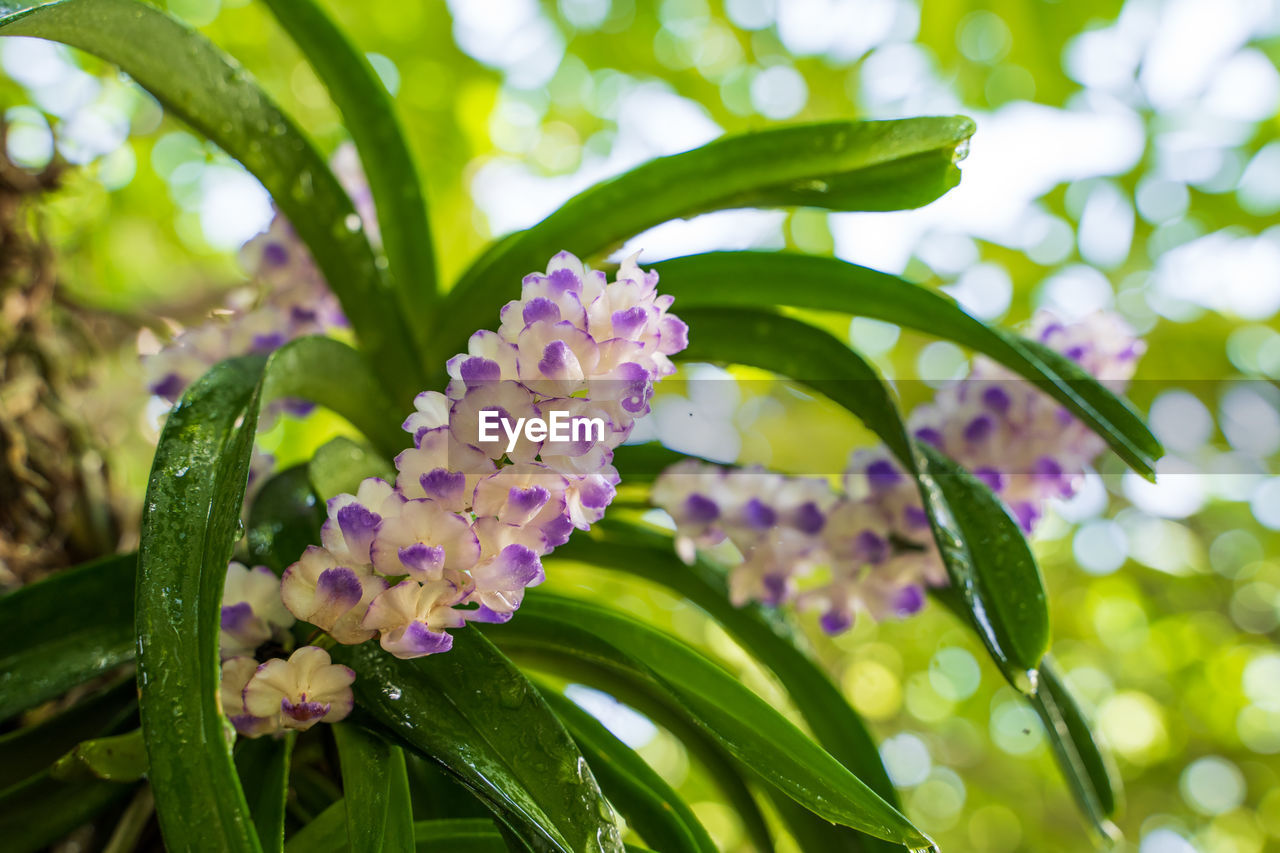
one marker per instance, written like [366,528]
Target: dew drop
[352,222]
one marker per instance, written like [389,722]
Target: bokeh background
[1126,158]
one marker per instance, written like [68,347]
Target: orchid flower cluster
[288,298]
[277,693]
[868,547]
[460,534]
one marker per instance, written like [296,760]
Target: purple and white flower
[468,520]
[870,549]
[297,693]
[252,612]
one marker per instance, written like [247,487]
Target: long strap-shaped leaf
[742,722]
[324,834]
[647,554]
[189,525]
[332,374]
[211,92]
[370,117]
[986,556]
[42,810]
[64,630]
[25,752]
[645,799]
[766,279]
[263,766]
[373,776]
[474,712]
[868,165]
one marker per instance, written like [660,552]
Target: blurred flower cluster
[286,299]
[461,533]
[872,536]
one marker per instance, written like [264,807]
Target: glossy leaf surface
[870,165]
[648,803]
[475,713]
[64,630]
[190,523]
[766,279]
[749,729]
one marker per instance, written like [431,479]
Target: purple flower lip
[423,641]
[234,616]
[358,525]
[775,587]
[979,428]
[996,399]
[540,308]
[909,600]
[626,323]
[564,280]
[442,483]
[835,622]
[993,478]
[339,589]
[275,254]
[302,710]
[809,519]
[700,509]
[759,515]
[929,435]
[872,547]
[170,387]
[475,370]
[527,501]
[555,358]
[421,557]
[882,475]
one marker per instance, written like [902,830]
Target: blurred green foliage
[1166,604]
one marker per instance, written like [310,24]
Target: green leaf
[189,525]
[263,767]
[340,465]
[326,834]
[476,714]
[813,833]
[25,752]
[649,555]
[650,699]
[765,279]
[64,630]
[459,836]
[369,116]
[42,810]
[120,758]
[1093,781]
[867,165]
[742,722]
[198,83]
[648,803]
[371,770]
[984,552]
[335,376]
[284,519]
[1002,588]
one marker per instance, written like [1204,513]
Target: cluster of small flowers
[287,298]
[278,693]
[873,536]
[467,521]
